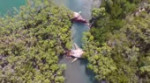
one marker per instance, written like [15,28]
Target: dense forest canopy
[118,45]
[31,41]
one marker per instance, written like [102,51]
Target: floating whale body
[78,18]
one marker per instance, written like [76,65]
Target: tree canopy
[118,45]
[31,41]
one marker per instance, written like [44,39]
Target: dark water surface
[7,6]
[76,72]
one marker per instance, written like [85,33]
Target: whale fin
[79,12]
[74,60]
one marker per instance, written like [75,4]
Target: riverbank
[116,44]
[77,72]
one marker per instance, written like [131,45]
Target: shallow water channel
[76,72]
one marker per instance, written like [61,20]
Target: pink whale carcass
[76,52]
[78,18]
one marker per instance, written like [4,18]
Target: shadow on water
[77,32]
[77,72]
[88,72]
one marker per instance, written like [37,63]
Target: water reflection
[77,32]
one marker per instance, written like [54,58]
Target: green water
[7,6]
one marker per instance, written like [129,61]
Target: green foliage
[31,41]
[98,12]
[110,17]
[124,56]
[99,58]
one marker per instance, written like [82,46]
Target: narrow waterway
[76,72]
